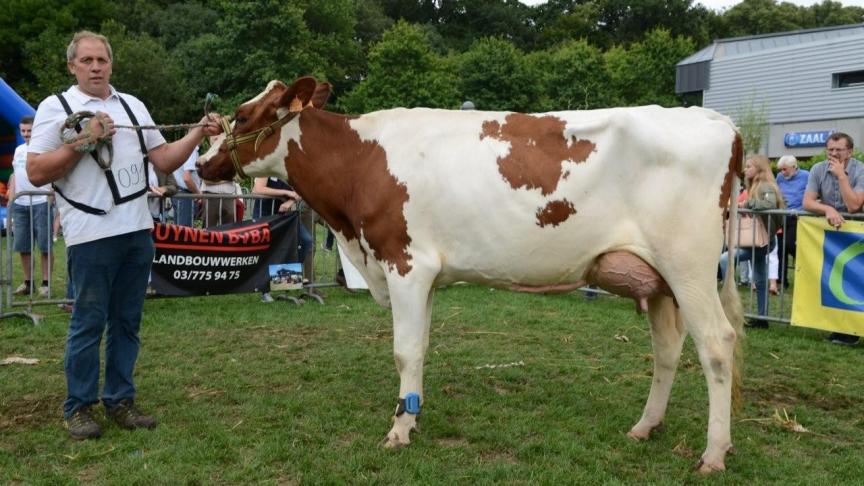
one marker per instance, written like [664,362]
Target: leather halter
[232,141]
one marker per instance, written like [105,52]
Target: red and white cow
[631,199]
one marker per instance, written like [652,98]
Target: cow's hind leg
[714,338]
[667,338]
[412,313]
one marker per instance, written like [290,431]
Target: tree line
[501,54]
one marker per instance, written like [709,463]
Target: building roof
[739,46]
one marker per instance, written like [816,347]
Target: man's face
[838,151]
[25,131]
[788,172]
[92,67]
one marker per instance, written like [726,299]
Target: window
[847,80]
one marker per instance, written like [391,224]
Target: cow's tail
[729,297]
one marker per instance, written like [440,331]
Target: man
[187,183]
[792,182]
[31,217]
[836,185]
[106,225]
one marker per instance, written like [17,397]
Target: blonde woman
[762,194]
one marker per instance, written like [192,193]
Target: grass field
[248,392]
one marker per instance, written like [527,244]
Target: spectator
[792,182]
[220,210]
[836,185]
[762,194]
[106,225]
[162,185]
[188,182]
[31,217]
[287,199]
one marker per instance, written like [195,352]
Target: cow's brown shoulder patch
[348,182]
[555,212]
[538,147]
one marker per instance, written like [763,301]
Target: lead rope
[93,143]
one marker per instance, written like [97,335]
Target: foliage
[494,74]
[644,73]
[234,48]
[751,116]
[572,76]
[403,71]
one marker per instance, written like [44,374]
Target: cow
[629,199]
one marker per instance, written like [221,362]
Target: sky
[724,4]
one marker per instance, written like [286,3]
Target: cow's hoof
[643,432]
[704,467]
[400,435]
[393,442]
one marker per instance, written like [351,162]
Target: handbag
[749,237]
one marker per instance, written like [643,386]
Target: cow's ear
[322,94]
[297,96]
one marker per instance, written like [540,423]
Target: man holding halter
[106,225]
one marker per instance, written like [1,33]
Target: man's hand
[836,168]
[834,218]
[101,123]
[211,123]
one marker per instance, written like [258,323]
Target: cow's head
[252,142]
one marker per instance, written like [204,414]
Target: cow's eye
[240,120]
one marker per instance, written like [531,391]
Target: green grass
[248,392]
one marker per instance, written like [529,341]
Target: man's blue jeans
[109,277]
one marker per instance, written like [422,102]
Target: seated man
[836,185]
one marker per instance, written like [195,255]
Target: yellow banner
[829,276]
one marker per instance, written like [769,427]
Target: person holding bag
[762,195]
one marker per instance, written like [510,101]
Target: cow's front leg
[412,313]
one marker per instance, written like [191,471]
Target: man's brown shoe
[82,426]
[129,417]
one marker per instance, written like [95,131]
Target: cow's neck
[347,181]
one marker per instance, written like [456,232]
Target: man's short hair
[26,120]
[787,161]
[86,34]
[842,136]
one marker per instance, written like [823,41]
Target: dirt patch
[30,410]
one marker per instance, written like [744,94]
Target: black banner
[232,258]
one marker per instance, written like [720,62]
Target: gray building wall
[796,83]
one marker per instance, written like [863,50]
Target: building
[808,82]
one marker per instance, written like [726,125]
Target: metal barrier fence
[779,300]
[320,268]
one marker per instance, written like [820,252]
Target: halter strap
[232,141]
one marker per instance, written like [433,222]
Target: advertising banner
[231,258]
[829,276]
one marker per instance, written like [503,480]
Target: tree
[403,71]
[751,116]
[495,75]
[572,76]
[644,73]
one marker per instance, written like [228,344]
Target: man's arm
[812,205]
[169,156]
[47,167]
[191,186]
[851,199]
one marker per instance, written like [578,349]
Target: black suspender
[109,176]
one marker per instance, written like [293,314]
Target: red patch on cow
[537,149]
[555,213]
[735,167]
[348,182]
